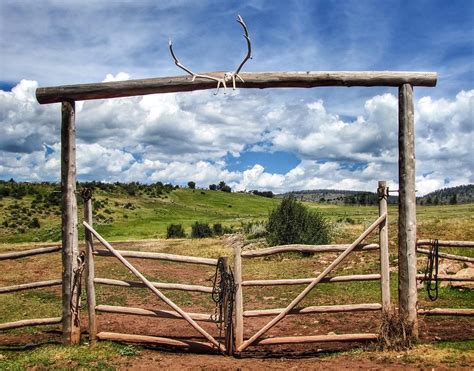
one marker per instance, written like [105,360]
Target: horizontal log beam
[253,80]
[159,256]
[318,309]
[144,339]
[448,256]
[24,253]
[447,312]
[28,286]
[30,322]
[445,243]
[158,285]
[316,339]
[306,248]
[152,313]
[446,277]
[301,281]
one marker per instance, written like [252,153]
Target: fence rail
[158,285]
[316,309]
[302,281]
[446,243]
[28,286]
[24,253]
[306,248]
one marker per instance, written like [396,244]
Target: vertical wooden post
[87,195]
[239,307]
[407,294]
[382,192]
[229,336]
[70,251]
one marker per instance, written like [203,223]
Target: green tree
[192,185]
[453,200]
[292,223]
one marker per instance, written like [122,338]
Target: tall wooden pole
[239,305]
[382,192]
[87,195]
[70,251]
[407,294]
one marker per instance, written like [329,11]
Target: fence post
[90,289]
[70,250]
[382,193]
[239,309]
[407,294]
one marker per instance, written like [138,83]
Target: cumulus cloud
[181,137]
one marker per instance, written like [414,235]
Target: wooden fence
[30,286]
[421,249]
[381,223]
[175,313]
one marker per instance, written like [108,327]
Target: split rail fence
[30,286]
[209,342]
[433,253]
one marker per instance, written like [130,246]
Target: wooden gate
[209,342]
[256,338]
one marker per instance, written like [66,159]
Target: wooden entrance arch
[405,81]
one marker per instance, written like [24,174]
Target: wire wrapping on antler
[228,76]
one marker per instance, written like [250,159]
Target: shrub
[255,229]
[175,231]
[201,230]
[217,229]
[292,223]
[34,223]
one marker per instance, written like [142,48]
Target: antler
[249,51]
[227,76]
[194,75]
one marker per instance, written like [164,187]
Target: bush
[217,229]
[255,229]
[34,223]
[175,231]
[292,223]
[201,230]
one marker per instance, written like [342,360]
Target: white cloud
[181,137]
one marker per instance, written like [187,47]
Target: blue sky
[274,139]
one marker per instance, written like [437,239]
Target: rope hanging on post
[223,294]
[431,271]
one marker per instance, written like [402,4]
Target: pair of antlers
[228,76]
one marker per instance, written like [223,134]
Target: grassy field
[145,218]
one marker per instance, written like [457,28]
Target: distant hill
[338,197]
[454,195]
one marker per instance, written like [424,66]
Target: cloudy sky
[279,139]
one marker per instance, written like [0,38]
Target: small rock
[331,333]
[268,298]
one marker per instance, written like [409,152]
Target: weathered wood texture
[160,256]
[144,339]
[316,339]
[446,312]
[70,249]
[306,248]
[239,300]
[382,193]
[153,289]
[316,309]
[90,272]
[253,80]
[302,295]
[24,253]
[301,281]
[28,286]
[446,277]
[448,256]
[30,322]
[228,301]
[443,243]
[153,313]
[407,292]
[158,285]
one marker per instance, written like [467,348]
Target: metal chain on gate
[77,284]
[431,271]
[223,293]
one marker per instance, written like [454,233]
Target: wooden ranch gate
[280,313]
[404,81]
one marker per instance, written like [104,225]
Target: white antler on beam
[228,76]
